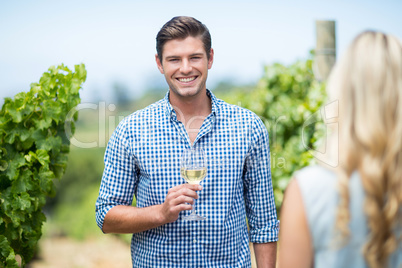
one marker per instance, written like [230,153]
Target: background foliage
[33,151]
[284,98]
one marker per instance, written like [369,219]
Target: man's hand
[179,198]
[128,219]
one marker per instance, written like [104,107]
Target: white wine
[194,176]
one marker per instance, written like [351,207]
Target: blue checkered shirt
[142,159]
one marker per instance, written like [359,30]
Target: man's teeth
[189,79]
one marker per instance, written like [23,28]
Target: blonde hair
[367,81]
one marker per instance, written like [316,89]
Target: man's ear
[159,64]
[211,58]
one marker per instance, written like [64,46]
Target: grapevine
[33,152]
[285,98]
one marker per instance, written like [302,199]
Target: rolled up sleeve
[259,197]
[119,178]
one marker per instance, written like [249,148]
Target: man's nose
[185,66]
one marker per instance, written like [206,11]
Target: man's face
[185,65]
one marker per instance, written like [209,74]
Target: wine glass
[193,169]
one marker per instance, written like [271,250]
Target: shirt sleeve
[259,197]
[119,178]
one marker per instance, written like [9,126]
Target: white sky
[116,39]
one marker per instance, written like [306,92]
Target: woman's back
[318,187]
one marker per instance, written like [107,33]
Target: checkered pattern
[142,159]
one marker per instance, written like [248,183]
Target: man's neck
[192,111]
[190,107]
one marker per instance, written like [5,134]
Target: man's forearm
[265,254]
[127,219]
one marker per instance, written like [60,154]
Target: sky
[116,39]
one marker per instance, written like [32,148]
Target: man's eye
[173,60]
[196,58]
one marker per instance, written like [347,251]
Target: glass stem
[193,207]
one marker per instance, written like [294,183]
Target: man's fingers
[193,187]
[183,199]
[186,190]
[185,207]
[179,198]
[172,212]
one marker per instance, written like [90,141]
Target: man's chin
[187,92]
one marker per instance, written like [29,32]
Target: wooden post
[325,51]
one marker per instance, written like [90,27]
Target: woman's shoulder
[315,176]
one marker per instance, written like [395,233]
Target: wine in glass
[193,169]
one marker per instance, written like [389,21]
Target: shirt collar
[172,113]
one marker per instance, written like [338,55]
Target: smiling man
[142,159]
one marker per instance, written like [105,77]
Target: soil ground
[64,252]
[101,252]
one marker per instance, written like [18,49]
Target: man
[142,160]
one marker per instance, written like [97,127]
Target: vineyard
[34,150]
[36,161]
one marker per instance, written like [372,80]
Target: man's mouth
[187,79]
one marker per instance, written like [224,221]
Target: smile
[187,79]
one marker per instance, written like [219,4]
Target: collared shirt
[142,159]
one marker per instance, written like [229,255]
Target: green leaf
[3,152]
[44,83]
[4,246]
[21,201]
[12,110]
[3,165]
[7,253]
[63,96]
[24,182]
[21,132]
[27,144]
[43,157]
[39,135]
[80,72]
[49,143]
[52,110]
[44,123]
[14,165]
[46,181]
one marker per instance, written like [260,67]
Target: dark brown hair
[180,28]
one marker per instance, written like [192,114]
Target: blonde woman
[351,215]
